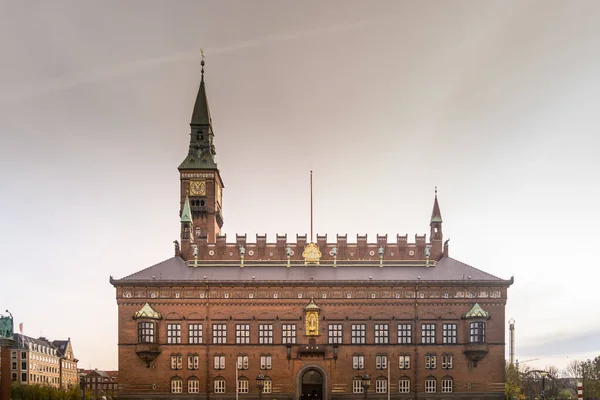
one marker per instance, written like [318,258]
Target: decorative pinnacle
[436,191]
[202,63]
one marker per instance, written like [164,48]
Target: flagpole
[237,389]
[311,208]
[389,383]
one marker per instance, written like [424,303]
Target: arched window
[447,384]
[176,385]
[381,385]
[193,385]
[268,385]
[219,385]
[430,385]
[146,333]
[242,384]
[404,385]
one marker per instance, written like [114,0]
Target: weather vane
[202,62]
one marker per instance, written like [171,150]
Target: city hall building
[294,318]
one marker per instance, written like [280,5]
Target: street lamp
[82,384]
[260,384]
[543,374]
[365,383]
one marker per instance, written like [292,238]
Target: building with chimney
[300,319]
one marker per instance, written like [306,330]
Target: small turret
[435,224]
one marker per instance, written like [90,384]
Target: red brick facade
[373,304]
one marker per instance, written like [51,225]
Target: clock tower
[200,181]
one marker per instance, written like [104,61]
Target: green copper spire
[436,215]
[476,312]
[186,213]
[202,150]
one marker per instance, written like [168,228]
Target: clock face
[198,188]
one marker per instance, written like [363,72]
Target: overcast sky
[494,102]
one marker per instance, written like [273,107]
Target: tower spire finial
[202,63]
[436,191]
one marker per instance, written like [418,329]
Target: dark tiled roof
[61,346]
[176,269]
[22,341]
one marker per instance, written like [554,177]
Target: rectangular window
[23,365]
[404,362]
[242,386]
[357,385]
[219,333]
[23,355]
[428,333]
[13,355]
[268,387]
[447,362]
[23,377]
[176,386]
[477,332]
[358,362]
[265,362]
[404,386]
[358,333]
[430,362]
[173,333]
[265,334]
[14,365]
[449,333]
[193,361]
[193,386]
[404,333]
[382,333]
[195,333]
[446,385]
[13,376]
[177,361]
[220,386]
[242,334]
[381,386]
[429,385]
[289,333]
[242,362]
[335,334]
[219,361]
[381,362]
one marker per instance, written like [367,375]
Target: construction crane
[524,362]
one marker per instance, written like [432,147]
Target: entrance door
[312,385]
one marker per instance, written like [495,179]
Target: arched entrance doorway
[311,385]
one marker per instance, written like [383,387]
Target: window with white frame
[359,333]
[430,361]
[381,385]
[430,385]
[265,334]
[357,385]
[380,362]
[404,361]
[268,385]
[358,361]
[404,385]
[242,333]
[428,333]
[449,333]
[176,385]
[242,361]
[145,332]
[219,385]
[173,333]
[335,334]
[477,332]
[219,361]
[193,385]
[288,333]
[404,333]
[176,361]
[447,361]
[195,333]
[219,333]
[265,361]
[447,385]
[193,361]
[382,333]
[242,385]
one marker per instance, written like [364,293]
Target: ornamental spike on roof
[147,312]
[186,213]
[476,312]
[312,306]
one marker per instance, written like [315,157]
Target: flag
[21,328]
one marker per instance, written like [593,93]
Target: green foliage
[44,392]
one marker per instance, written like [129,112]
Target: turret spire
[436,215]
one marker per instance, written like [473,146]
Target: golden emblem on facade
[312,318]
[311,254]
